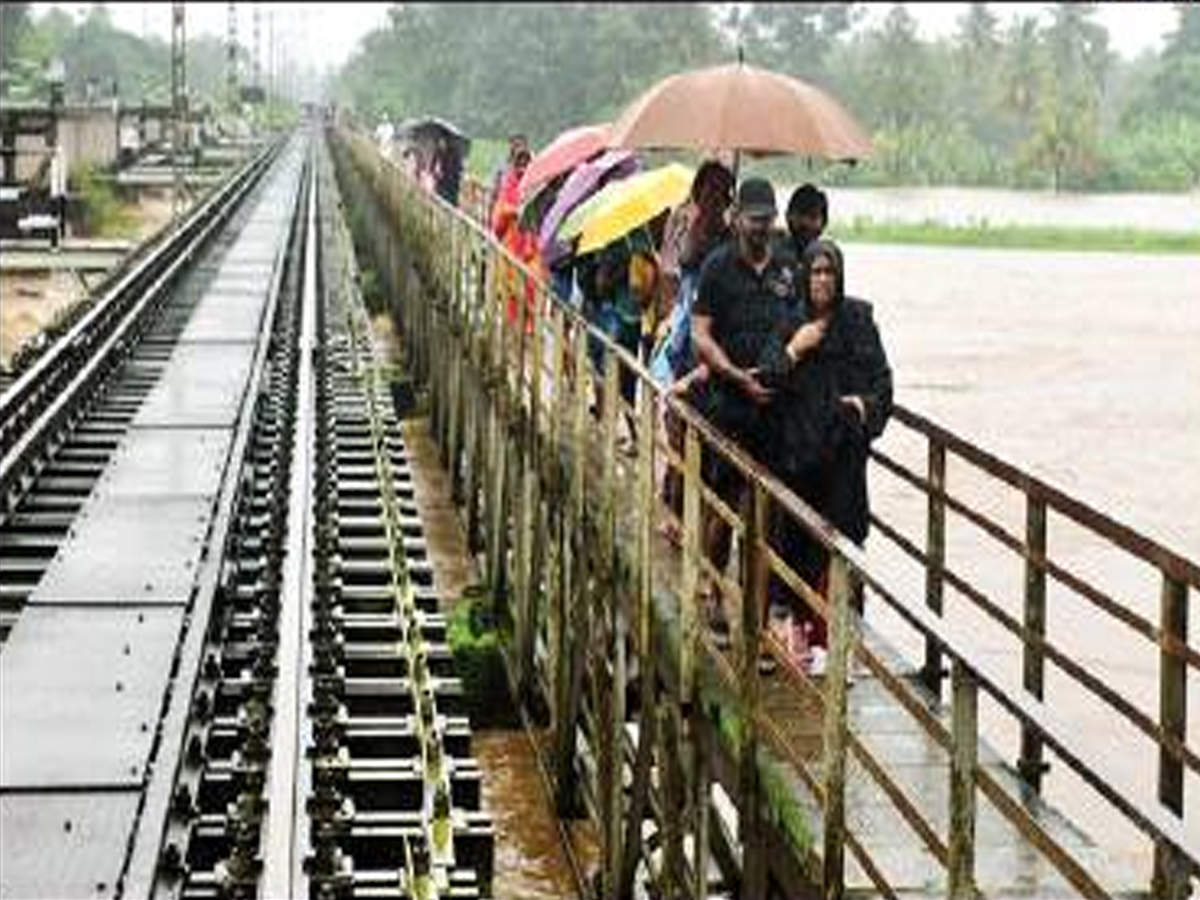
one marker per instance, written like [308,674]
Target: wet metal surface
[202,386]
[166,461]
[81,691]
[228,313]
[129,550]
[72,845]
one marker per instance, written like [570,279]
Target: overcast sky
[326,33]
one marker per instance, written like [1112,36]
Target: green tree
[1175,87]
[1022,67]
[14,19]
[795,38]
[496,68]
[1067,130]
[975,59]
[978,40]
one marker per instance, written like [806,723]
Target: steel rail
[142,867]
[47,394]
[280,862]
[122,284]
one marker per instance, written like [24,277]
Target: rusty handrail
[1128,539]
[494,342]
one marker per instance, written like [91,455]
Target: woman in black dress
[833,396]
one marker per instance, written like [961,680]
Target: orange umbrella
[743,108]
[565,152]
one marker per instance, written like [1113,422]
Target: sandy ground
[30,303]
[154,211]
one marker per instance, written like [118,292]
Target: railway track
[63,418]
[227,542]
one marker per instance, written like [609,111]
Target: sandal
[766,663]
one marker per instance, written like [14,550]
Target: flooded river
[1084,369]
[961,206]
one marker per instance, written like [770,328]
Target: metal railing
[568,518]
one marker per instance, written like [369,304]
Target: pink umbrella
[581,184]
[563,153]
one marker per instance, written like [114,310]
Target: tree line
[1029,104]
[97,55]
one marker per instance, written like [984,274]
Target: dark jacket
[819,445]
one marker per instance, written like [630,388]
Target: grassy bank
[1023,237]
[105,216]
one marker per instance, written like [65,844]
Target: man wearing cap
[745,290]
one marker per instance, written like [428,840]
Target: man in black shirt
[745,290]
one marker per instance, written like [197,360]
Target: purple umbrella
[588,178]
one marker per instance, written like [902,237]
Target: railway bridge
[227,670]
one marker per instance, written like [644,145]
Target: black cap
[756,197]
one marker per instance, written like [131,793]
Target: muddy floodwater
[1084,369]
[963,206]
[532,849]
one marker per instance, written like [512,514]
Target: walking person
[807,216]
[506,225]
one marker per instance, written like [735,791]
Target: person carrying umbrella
[695,228]
[448,168]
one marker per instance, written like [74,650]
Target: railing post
[841,645]
[692,549]
[964,755]
[646,658]
[455,330]
[755,574]
[607,647]
[1171,869]
[556,615]
[935,551]
[497,416]
[701,793]
[1031,765]
[575,604]
[534,564]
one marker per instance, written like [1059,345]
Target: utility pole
[257,71]
[271,56]
[231,78]
[179,110]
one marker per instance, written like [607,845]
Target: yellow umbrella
[624,205]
